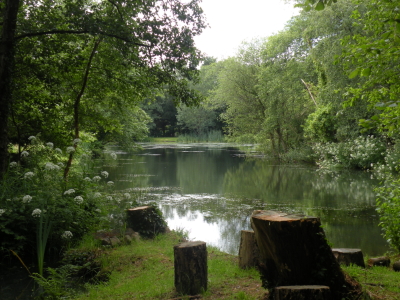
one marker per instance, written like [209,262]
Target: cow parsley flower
[113,155]
[96,178]
[2,211]
[98,210]
[78,199]
[127,196]
[70,149]
[58,150]
[109,198]
[36,213]
[110,183]
[24,153]
[77,141]
[96,195]
[60,164]
[69,192]
[50,166]
[32,138]
[67,235]
[104,174]
[13,164]
[87,179]
[26,199]
[50,145]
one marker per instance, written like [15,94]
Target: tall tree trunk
[77,103]
[7,47]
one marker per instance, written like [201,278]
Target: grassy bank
[145,270]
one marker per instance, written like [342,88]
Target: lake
[210,190]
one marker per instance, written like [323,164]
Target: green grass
[378,282]
[145,270]
[163,139]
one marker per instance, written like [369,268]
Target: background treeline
[323,89]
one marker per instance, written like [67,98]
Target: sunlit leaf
[366,72]
[354,73]
[320,5]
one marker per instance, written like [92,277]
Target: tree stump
[348,256]
[248,251]
[301,292]
[294,251]
[190,262]
[379,261]
[146,220]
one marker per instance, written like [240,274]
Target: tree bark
[190,262]
[301,292]
[7,53]
[347,256]
[294,251]
[248,250]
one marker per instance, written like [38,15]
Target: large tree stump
[146,220]
[294,251]
[346,256]
[301,292]
[190,262]
[248,251]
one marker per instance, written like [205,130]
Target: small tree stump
[146,220]
[190,262]
[294,251]
[379,261]
[396,266]
[248,250]
[301,292]
[346,256]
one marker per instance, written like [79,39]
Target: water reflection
[211,191]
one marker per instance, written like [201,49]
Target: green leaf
[320,5]
[366,72]
[354,73]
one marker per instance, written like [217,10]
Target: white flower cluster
[13,164]
[24,153]
[49,166]
[109,198]
[96,195]
[96,178]
[36,213]
[110,183]
[98,210]
[113,155]
[127,196]
[78,199]
[50,145]
[28,175]
[70,149]
[69,192]
[2,211]
[67,235]
[32,138]
[77,141]
[26,199]
[87,179]
[58,150]
[104,174]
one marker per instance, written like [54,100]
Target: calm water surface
[212,189]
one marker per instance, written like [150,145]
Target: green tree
[153,41]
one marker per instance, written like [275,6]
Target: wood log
[379,261]
[347,256]
[190,262]
[301,292]
[294,251]
[248,250]
[146,220]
